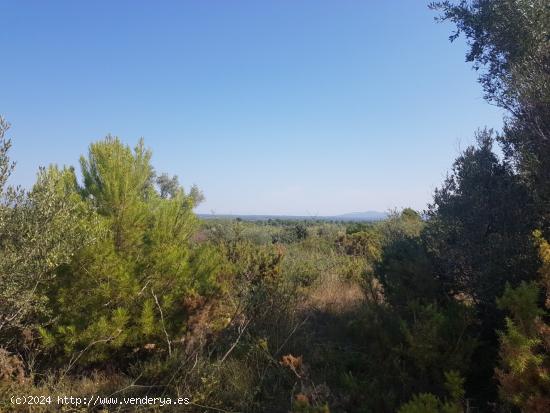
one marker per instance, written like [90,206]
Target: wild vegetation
[111,285]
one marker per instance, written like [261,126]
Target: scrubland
[110,285]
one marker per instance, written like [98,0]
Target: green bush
[140,270]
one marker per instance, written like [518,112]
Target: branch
[162,320]
[243,329]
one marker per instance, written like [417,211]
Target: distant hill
[353,216]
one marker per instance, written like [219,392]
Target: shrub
[141,269]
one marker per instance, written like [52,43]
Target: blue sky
[271,107]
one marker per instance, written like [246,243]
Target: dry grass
[331,293]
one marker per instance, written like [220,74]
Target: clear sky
[271,107]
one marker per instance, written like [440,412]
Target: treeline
[109,283]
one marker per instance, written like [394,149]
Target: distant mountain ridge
[352,216]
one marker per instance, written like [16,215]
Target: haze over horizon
[279,108]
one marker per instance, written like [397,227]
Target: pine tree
[129,289]
[524,345]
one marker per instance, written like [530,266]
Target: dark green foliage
[300,232]
[509,40]
[403,353]
[522,302]
[428,403]
[436,338]
[405,269]
[480,226]
[478,238]
[407,273]
[421,403]
[484,241]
